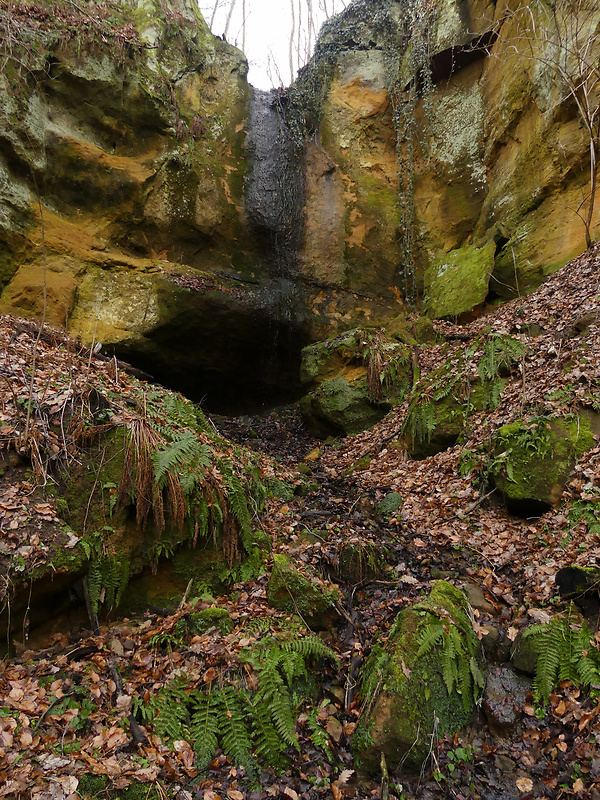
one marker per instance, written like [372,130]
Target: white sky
[268,28]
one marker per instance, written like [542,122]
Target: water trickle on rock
[274,205]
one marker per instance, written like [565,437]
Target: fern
[319,736]
[373,672]
[310,647]
[169,709]
[429,637]
[455,642]
[269,745]
[499,351]
[420,420]
[205,727]
[240,722]
[566,651]
[94,579]
[184,450]
[237,502]
[273,692]
[236,742]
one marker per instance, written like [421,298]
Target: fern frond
[550,642]
[429,637]
[94,579]
[235,741]
[205,727]
[311,647]
[449,663]
[273,691]
[169,707]
[268,744]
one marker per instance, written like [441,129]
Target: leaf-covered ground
[68,704]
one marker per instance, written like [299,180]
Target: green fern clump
[168,710]
[456,648]
[246,724]
[499,351]
[205,727]
[566,652]
[448,631]
[385,359]
[108,575]
[177,467]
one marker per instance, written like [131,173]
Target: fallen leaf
[524,785]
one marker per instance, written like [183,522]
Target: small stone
[505,695]
[477,599]
[490,638]
[504,763]
[334,729]
[117,648]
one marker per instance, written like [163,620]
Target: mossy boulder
[459,281]
[360,562]
[340,407]
[354,378]
[525,652]
[439,410]
[198,622]
[534,458]
[389,505]
[412,702]
[291,591]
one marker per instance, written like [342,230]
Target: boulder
[504,698]
[534,458]
[424,683]
[292,591]
[355,379]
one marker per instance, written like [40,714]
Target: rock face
[151,200]
[122,208]
[464,186]
[353,381]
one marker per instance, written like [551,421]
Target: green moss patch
[534,458]
[291,591]
[459,281]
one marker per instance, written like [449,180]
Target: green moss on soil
[292,592]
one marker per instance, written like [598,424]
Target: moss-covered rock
[406,685]
[144,497]
[340,407]
[534,458]
[525,652]
[198,622]
[293,592]
[359,563]
[459,281]
[389,505]
[355,379]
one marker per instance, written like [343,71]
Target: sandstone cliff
[428,157]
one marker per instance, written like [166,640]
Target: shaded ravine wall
[207,232]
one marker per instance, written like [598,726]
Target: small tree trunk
[593,182]
[214,11]
[292,33]
[231,7]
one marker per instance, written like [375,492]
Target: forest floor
[451,524]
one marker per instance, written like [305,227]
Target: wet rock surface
[504,698]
